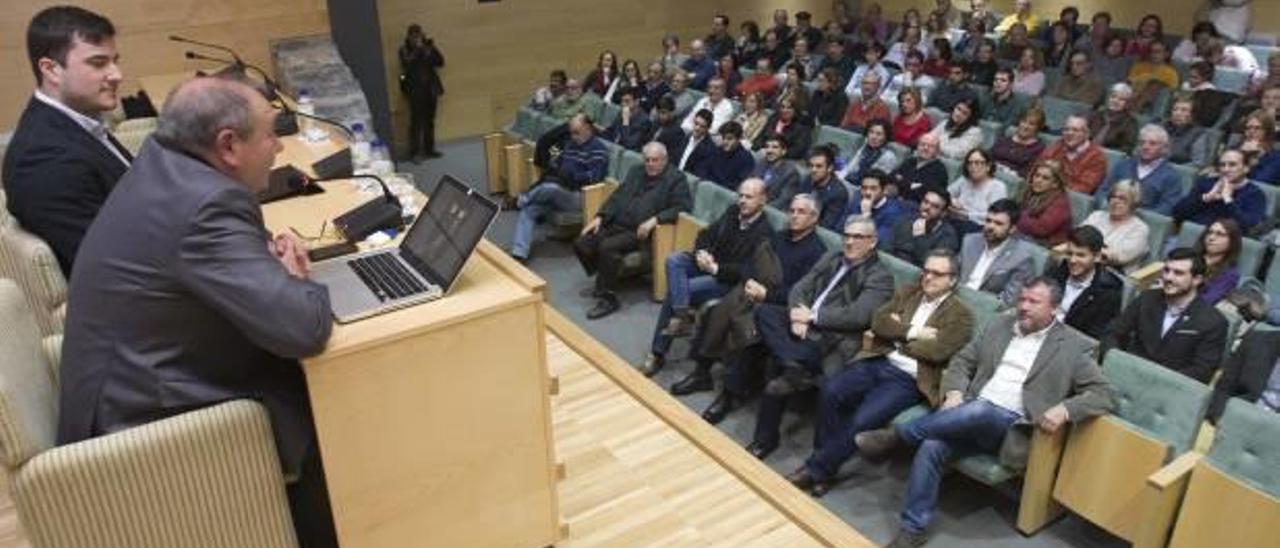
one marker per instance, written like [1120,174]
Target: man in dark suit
[212,307]
[1251,374]
[994,260]
[62,162]
[781,178]
[632,129]
[695,152]
[1171,325]
[914,237]
[1090,293]
[821,327]
[1025,368]
[420,61]
[825,187]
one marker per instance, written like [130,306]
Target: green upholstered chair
[936,116]
[1158,227]
[1057,110]
[526,124]
[1232,80]
[776,218]
[1113,156]
[990,130]
[1272,280]
[1081,206]
[1039,255]
[1186,176]
[903,271]
[543,123]
[954,169]
[1251,250]
[609,113]
[710,200]
[1012,186]
[623,163]
[845,141]
[830,239]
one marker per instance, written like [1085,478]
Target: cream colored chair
[27,260]
[205,478]
[133,132]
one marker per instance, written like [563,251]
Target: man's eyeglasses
[859,237]
[935,273]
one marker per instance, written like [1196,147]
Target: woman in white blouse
[961,132]
[1029,78]
[974,191]
[1124,233]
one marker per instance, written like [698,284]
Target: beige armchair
[27,260]
[206,478]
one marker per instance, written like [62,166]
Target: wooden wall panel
[143,28]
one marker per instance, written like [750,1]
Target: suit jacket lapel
[68,127]
[1052,341]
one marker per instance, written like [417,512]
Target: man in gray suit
[181,299]
[1022,370]
[995,261]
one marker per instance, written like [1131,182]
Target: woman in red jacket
[1046,208]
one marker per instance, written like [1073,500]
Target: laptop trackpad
[347,294]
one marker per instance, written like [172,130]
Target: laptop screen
[447,231]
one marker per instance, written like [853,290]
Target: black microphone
[286,120]
[330,121]
[375,215]
[234,55]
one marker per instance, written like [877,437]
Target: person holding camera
[420,82]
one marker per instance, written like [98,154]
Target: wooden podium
[434,421]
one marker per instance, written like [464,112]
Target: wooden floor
[642,470]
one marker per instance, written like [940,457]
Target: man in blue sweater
[872,201]
[1150,168]
[732,163]
[583,160]
[1229,195]
[826,188]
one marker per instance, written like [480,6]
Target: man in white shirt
[988,388]
[715,101]
[910,77]
[62,162]
[993,260]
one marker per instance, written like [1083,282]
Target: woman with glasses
[974,191]
[1046,209]
[1220,245]
[1259,138]
[1124,233]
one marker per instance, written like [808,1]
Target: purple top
[1217,287]
[1018,157]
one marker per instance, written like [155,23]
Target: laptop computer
[425,265]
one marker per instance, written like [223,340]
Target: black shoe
[606,304]
[907,539]
[652,365]
[760,450]
[875,444]
[793,379]
[680,324]
[433,153]
[589,292]
[801,478]
[698,381]
[719,408]
[519,259]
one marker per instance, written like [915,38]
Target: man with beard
[1090,293]
[781,178]
[826,187]
[994,260]
[913,238]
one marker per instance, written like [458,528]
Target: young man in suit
[62,162]
[694,155]
[228,309]
[1252,373]
[1171,325]
[1090,293]
[915,335]
[994,260]
[781,178]
[1024,369]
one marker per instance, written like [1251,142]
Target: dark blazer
[1064,371]
[1098,305]
[890,325]
[633,135]
[913,249]
[799,136]
[56,177]
[732,246]
[846,312]
[419,67]
[200,314]
[699,164]
[1247,371]
[640,197]
[1193,346]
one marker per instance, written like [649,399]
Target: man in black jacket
[420,61]
[632,128]
[1251,374]
[921,169]
[653,193]
[1171,325]
[717,262]
[62,162]
[914,237]
[1090,294]
[781,178]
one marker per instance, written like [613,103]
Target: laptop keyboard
[386,276]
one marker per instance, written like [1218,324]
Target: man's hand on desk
[292,254]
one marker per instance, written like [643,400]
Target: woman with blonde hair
[1124,233]
[1046,208]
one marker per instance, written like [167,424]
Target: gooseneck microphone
[287,120]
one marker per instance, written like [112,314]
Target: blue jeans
[686,286]
[540,200]
[976,426]
[865,396]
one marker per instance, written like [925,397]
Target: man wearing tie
[62,162]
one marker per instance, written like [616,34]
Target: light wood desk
[434,421]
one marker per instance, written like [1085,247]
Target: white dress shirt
[688,150]
[720,113]
[1005,387]
[94,126]
[1072,291]
[918,321]
[979,273]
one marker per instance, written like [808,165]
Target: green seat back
[710,200]
[545,122]
[1113,156]
[936,116]
[776,218]
[990,130]
[1246,446]
[1081,206]
[1158,227]
[986,468]
[984,306]
[953,167]
[1232,80]
[1186,176]
[1273,278]
[1012,187]
[846,142]
[1158,401]
[1039,255]
[525,124]
[903,271]
[1271,193]
[830,239]
[626,161]
[608,114]
[1251,250]
[1057,110]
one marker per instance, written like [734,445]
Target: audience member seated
[1058,46]
[583,160]
[666,127]
[1228,195]
[828,102]
[994,260]
[789,122]
[699,66]
[978,10]
[952,91]
[698,148]
[574,102]
[653,193]
[1100,31]
[914,237]
[1220,245]
[912,123]
[1029,78]
[1068,20]
[825,186]
[1151,75]
[681,95]
[1091,294]
[1252,374]
[1014,44]
[1046,209]
[728,328]
[1224,55]
[961,132]
[753,118]
[920,170]
[1112,126]
[604,78]
[61,162]
[630,79]
[974,35]
[793,89]
[804,29]
[938,63]
[1149,168]
[866,106]
[1083,162]
[1171,325]
[781,178]
[1188,50]
[982,69]
[1259,139]
[802,55]
[747,47]
[821,326]
[1188,142]
[632,128]
[672,58]
[1004,103]
[1079,82]
[838,61]
[762,81]
[911,77]
[1021,149]
[974,191]
[732,163]
[1112,66]
[1124,233]
[719,260]
[727,70]
[874,154]
[912,40]
[871,202]
[719,42]
[987,391]
[1150,31]
[1021,15]
[721,107]
[916,334]
[544,96]
[872,64]
[654,88]
[948,14]
[773,50]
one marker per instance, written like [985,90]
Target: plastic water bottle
[359,147]
[380,159]
[306,126]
